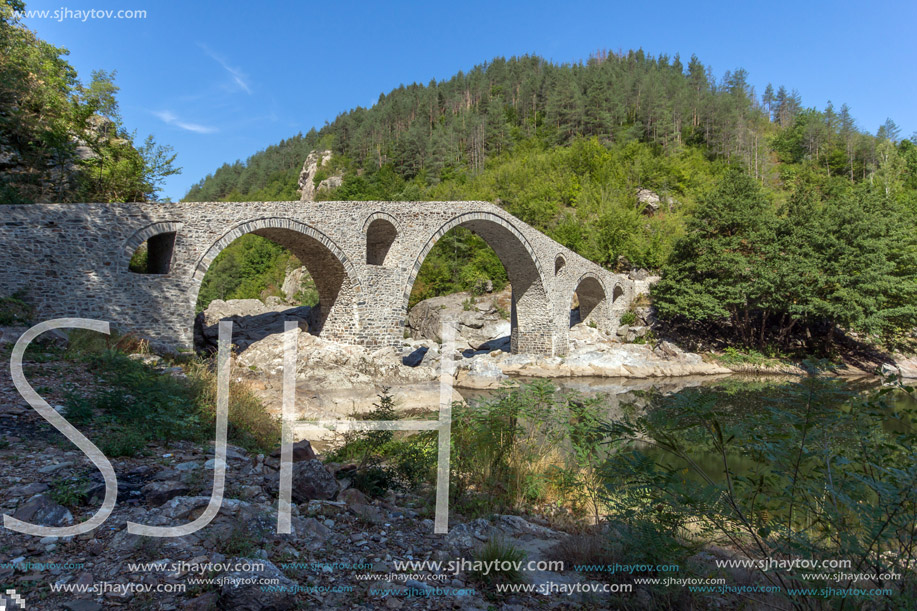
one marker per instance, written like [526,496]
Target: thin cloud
[237,76]
[168,117]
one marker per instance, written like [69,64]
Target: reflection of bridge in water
[72,260]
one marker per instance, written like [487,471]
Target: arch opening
[153,256]
[527,325]
[380,235]
[588,304]
[281,273]
[617,293]
[559,264]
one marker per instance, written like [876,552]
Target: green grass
[493,553]
[14,310]
[136,404]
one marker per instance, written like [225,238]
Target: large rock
[648,200]
[42,510]
[242,589]
[252,321]
[310,168]
[312,481]
[906,367]
[302,451]
[327,365]
[479,320]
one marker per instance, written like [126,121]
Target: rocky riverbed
[343,551]
[335,380]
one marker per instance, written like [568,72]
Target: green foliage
[849,261]
[69,492]
[384,462]
[527,445]
[571,157]
[495,553]
[251,267]
[139,260]
[822,471]
[136,404]
[77,408]
[733,356]
[53,113]
[628,318]
[14,310]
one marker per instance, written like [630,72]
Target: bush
[495,553]
[250,426]
[14,310]
[526,445]
[821,472]
[628,318]
[384,462]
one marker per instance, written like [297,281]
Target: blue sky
[220,81]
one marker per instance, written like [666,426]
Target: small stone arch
[593,304]
[559,263]
[531,308]
[160,239]
[616,294]
[336,279]
[380,230]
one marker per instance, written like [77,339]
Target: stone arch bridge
[72,260]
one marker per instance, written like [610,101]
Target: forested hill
[563,146]
[568,147]
[460,124]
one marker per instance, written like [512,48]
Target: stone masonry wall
[72,261]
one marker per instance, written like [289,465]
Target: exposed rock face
[310,168]
[906,367]
[483,322]
[587,359]
[651,202]
[293,283]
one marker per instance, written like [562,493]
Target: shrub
[628,318]
[504,557]
[828,473]
[69,492]
[250,426]
[527,445]
[384,462]
[138,404]
[14,310]
[77,408]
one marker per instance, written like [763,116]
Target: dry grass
[249,423]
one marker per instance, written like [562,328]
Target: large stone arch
[593,300]
[337,316]
[531,316]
